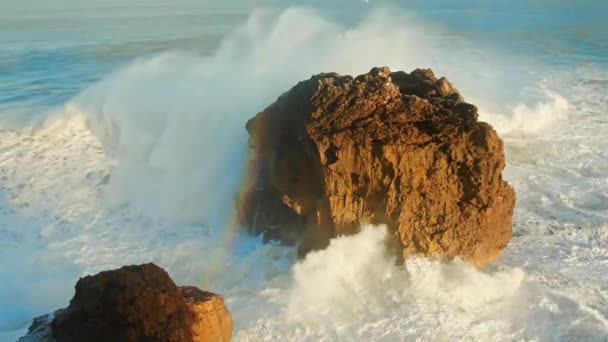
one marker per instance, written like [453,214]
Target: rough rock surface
[135,303]
[395,148]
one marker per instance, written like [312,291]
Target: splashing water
[143,166]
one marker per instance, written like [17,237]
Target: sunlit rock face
[386,147]
[135,303]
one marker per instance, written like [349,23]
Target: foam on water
[353,291]
[355,280]
[158,117]
[143,166]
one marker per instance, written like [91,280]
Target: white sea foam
[531,120]
[352,291]
[173,124]
[355,279]
[142,166]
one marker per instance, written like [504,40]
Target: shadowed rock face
[400,149]
[135,303]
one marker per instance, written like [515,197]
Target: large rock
[135,303]
[400,149]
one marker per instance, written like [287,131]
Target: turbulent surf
[133,150]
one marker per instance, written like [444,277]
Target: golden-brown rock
[400,149]
[136,303]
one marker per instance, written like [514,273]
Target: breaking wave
[143,165]
[174,123]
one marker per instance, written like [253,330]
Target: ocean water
[122,141]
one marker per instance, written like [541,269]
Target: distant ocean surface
[122,141]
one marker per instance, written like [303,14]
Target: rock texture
[387,147]
[136,303]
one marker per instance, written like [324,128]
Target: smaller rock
[135,303]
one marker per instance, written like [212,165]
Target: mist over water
[159,116]
[142,164]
